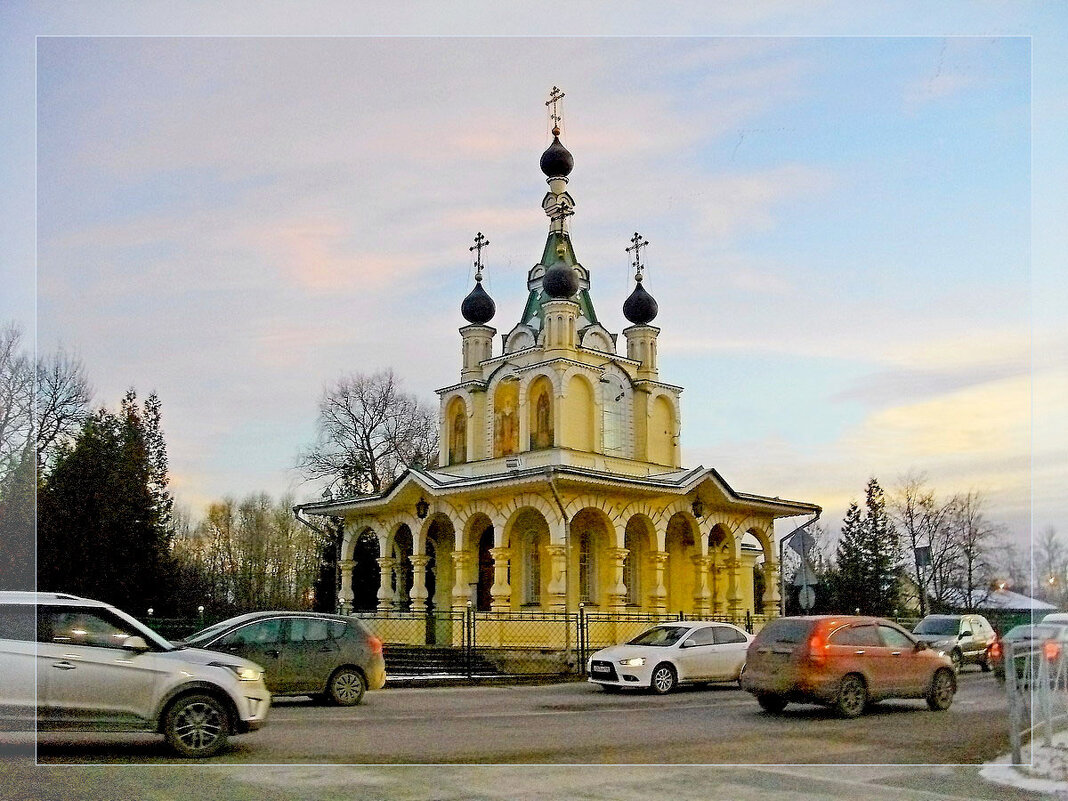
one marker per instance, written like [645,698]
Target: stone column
[734,588]
[345,596]
[461,591]
[386,600]
[501,591]
[717,585]
[772,596]
[658,594]
[419,594]
[617,591]
[701,593]
[557,586]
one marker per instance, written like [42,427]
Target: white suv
[98,669]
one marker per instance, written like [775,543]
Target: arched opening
[483,599]
[541,414]
[402,571]
[681,548]
[636,541]
[440,543]
[457,431]
[530,532]
[589,537]
[366,575]
[753,583]
[506,418]
[720,548]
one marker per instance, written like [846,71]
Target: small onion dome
[557,161]
[478,307]
[560,281]
[640,308]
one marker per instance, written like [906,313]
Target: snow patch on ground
[1045,768]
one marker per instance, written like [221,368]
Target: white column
[386,600]
[501,591]
[658,594]
[419,594]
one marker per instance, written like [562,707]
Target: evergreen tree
[849,581]
[882,551]
[102,529]
[17,492]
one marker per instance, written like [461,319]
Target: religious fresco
[458,435]
[541,424]
[506,418]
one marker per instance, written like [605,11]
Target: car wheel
[852,696]
[346,687]
[957,659]
[664,679]
[771,703]
[943,687]
[197,725]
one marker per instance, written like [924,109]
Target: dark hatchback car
[328,657]
[844,662]
[1048,641]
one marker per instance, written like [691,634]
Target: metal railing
[1036,682]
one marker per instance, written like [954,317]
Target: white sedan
[669,654]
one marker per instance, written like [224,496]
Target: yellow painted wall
[662,432]
[578,417]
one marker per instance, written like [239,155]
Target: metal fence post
[580,636]
[1014,702]
[469,638]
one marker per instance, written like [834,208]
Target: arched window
[614,397]
[458,434]
[532,571]
[587,579]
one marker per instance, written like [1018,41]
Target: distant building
[560,480]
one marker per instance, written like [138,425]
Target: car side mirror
[688,644]
[135,643]
[920,646]
[965,633]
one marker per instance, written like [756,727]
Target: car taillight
[375,643]
[995,649]
[1051,650]
[817,647]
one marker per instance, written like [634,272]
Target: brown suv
[843,662]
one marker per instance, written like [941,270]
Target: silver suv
[965,639]
[98,669]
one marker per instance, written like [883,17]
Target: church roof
[676,482]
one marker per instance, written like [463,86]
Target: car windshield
[785,630]
[938,625]
[660,635]
[206,634]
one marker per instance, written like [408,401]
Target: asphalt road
[587,744]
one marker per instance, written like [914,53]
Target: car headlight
[243,673]
[634,661]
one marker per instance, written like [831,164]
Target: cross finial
[638,244]
[480,242]
[555,96]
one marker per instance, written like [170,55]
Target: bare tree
[922,521]
[63,397]
[1051,566]
[1012,568]
[973,535]
[369,431]
[16,399]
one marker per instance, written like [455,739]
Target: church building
[560,481]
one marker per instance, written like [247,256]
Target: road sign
[806,597]
[805,575]
[923,556]
[800,541]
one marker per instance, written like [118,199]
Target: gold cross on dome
[480,242]
[555,96]
[638,244]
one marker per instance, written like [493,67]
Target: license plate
[601,669]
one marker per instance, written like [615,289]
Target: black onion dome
[557,161]
[560,281]
[478,307]
[640,308]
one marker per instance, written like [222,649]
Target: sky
[856,240]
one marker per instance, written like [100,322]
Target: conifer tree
[850,577]
[882,552]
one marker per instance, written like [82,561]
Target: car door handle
[858,653]
[64,665]
[895,653]
[273,654]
